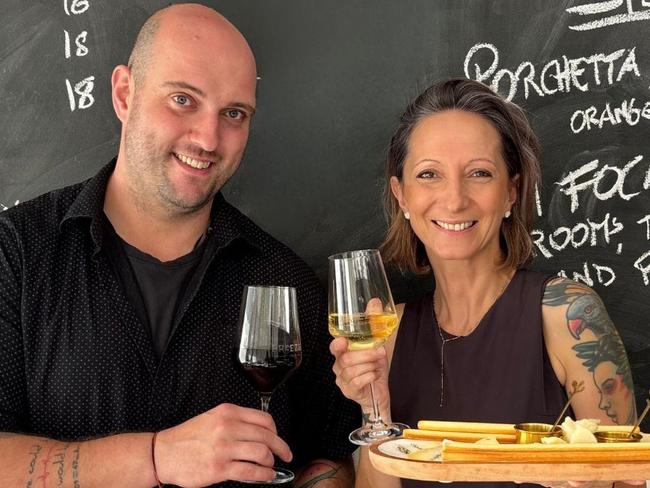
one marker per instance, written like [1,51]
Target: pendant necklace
[444,341]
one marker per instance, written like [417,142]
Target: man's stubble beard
[148,167]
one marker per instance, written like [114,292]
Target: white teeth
[194,163]
[454,227]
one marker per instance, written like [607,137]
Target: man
[119,297]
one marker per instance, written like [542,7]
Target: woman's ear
[396,189]
[513,190]
[121,91]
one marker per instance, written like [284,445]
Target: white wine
[363,331]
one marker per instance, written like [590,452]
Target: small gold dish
[616,436]
[530,432]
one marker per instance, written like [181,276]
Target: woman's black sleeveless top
[499,373]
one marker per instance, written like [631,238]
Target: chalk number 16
[76,7]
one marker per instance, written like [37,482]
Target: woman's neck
[464,293]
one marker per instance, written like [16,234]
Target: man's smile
[194,163]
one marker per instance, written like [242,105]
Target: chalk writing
[586,119]
[642,12]
[643,265]
[83,91]
[76,7]
[645,220]
[605,275]
[597,181]
[3,207]
[579,235]
[79,42]
[80,94]
[557,76]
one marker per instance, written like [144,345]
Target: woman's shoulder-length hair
[520,150]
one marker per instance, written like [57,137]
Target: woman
[494,342]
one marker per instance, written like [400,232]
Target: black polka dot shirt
[76,362]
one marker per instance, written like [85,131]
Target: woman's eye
[481,173]
[427,174]
[181,99]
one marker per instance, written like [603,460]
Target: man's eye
[235,114]
[181,99]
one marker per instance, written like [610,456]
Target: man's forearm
[323,473]
[37,462]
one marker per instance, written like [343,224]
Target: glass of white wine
[361,309]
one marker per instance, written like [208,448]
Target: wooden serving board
[509,469]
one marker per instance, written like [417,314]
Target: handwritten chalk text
[604,274]
[597,182]
[630,15]
[557,76]
[589,118]
[579,235]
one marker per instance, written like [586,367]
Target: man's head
[185,102]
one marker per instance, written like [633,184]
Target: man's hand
[226,443]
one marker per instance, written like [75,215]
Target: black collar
[227,224]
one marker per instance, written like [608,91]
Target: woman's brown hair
[520,150]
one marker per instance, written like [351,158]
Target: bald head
[179,20]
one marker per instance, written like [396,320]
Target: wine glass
[361,309]
[268,345]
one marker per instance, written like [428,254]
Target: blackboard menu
[334,77]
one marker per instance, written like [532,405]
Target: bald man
[119,297]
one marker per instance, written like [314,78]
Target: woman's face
[614,393]
[455,186]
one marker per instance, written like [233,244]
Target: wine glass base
[281,476]
[367,435]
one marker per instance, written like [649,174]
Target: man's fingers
[254,435]
[243,471]
[227,414]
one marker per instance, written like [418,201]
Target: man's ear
[122,91]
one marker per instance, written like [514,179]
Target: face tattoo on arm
[604,357]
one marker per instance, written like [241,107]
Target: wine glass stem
[265,399]
[376,420]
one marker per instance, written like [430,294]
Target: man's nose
[205,132]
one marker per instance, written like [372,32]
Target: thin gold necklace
[444,341]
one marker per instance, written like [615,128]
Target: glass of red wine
[268,345]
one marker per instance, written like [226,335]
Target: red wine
[267,375]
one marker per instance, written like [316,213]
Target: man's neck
[153,231]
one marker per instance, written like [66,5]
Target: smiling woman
[460,180]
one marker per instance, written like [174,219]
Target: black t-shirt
[162,287]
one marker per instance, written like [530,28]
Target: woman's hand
[355,370]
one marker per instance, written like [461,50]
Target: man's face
[189,117]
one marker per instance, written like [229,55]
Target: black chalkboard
[335,75]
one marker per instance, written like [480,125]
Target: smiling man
[119,297]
